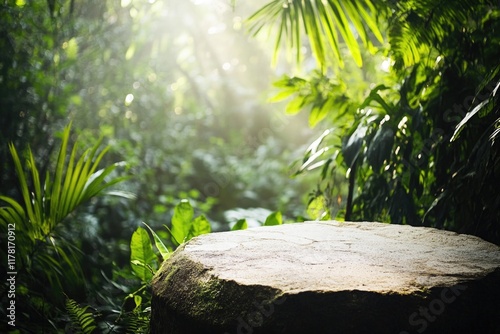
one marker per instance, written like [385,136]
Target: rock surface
[330,277]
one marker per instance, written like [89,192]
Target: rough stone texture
[330,277]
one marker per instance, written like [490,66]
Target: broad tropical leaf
[199,226]
[142,256]
[181,221]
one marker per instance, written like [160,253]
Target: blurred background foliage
[176,89]
[388,109]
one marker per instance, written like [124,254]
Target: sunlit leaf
[182,220]
[317,210]
[240,225]
[312,162]
[141,254]
[121,193]
[342,25]
[325,23]
[274,218]
[295,105]
[28,206]
[284,94]
[317,115]
[137,301]
[14,213]
[164,252]
[314,147]
[199,226]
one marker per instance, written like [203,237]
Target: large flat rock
[330,277]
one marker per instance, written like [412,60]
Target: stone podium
[330,277]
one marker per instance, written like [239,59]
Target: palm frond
[325,23]
[23,184]
[45,205]
[14,213]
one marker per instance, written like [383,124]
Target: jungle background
[218,115]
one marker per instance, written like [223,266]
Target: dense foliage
[419,144]
[403,94]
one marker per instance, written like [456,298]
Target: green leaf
[317,115]
[274,218]
[330,32]
[342,24]
[164,253]
[240,225]
[181,221]
[141,254]
[55,196]
[284,94]
[23,184]
[37,195]
[375,96]
[45,203]
[295,105]
[368,18]
[199,226]
[13,214]
[317,208]
[325,23]
[137,301]
[313,31]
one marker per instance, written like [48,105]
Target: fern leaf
[81,320]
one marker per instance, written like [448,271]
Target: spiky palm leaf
[414,27]
[325,23]
[45,205]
